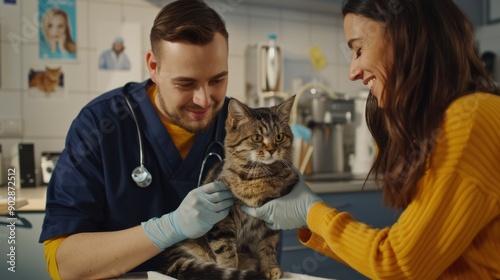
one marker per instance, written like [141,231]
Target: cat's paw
[274,273]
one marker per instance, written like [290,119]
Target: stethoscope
[140,175]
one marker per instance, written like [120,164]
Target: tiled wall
[489,40]
[46,120]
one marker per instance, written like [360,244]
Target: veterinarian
[434,113]
[125,186]
[115,58]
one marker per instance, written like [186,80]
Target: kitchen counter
[27,199]
[354,185]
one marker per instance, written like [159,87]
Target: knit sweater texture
[451,229]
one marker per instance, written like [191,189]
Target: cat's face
[261,135]
[53,73]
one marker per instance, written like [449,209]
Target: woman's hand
[286,212]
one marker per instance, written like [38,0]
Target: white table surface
[152,275]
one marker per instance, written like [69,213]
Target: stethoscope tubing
[144,179]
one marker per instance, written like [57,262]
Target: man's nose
[201,97]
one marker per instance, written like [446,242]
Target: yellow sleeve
[452,226]
[51,246]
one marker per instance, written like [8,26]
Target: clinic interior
[306,30]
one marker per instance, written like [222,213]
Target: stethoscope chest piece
[141,176]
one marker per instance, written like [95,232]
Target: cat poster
[48,82]
[118,54]
[57,29]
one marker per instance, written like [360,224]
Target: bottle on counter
[272,64]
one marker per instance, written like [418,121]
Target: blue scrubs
[91,189]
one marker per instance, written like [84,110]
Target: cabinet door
[21,242]
[364,206]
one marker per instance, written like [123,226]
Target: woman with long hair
[434,113]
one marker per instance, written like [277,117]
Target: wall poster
[46,82]
[57,29]
[118,55]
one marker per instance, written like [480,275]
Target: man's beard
[180,122]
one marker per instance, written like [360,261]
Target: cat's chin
[266,162]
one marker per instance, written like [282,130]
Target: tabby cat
[257,168]
[47,81]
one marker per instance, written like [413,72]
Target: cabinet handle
[341,205]
[294,248]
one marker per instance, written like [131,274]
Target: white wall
[46,120]
[488,37]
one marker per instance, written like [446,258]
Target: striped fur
[256,170]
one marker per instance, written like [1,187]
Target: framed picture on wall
[118,56]
[47,82]
[57,29]
[493,11]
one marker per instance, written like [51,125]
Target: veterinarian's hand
[288,211]
[200,210]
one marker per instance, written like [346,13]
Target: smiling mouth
[370,83]
[198,114]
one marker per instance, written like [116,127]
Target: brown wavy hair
[435,62]
[192,21]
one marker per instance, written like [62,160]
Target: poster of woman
[57,29]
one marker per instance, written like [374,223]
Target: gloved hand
[288,211]
[200,210]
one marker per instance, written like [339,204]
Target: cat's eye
[257,138]
[279,138]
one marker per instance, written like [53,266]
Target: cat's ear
[284,109]
[237,113]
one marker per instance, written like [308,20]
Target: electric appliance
[264,74]
[23,160]
[363,155]
[329,116]
[48,162]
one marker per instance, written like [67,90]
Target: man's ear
[152,65]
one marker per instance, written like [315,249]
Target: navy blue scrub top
[91,188]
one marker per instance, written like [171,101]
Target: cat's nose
[271,150]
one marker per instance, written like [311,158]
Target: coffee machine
[329,117]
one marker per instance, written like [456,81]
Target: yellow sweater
[451,229]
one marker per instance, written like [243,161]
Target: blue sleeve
[75,194]
[103,61]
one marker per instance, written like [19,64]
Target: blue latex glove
[288,211]
[200,210]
